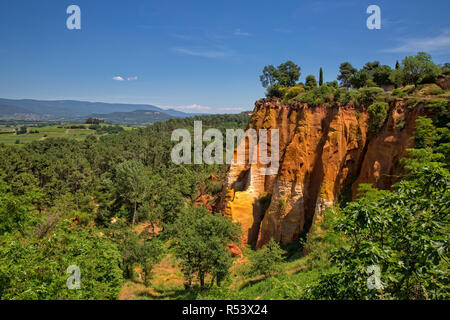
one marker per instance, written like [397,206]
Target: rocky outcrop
[443,82]
[325,153]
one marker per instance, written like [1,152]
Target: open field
[9,136]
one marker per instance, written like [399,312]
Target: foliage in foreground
[200,242]
[267,260]
[403,233]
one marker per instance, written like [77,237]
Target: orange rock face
[324,153]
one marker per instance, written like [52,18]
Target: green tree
[288,74]
[131,183]
[403,234]
[285,75]
[137,250]
[418,68]
[377,115]
[359,79]
[425,134]
[33,268]
[200,242]
[346,72]
[382,74]
[310,82]
[269,76]
[267,260]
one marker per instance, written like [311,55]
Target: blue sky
[200,56]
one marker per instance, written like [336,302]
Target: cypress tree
[397,65]
[320,77]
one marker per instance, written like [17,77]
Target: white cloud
[437,44]
[238,32]
[132,78]
[118,78]
[195,108]
[192,107]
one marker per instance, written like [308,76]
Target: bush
[267,260]
[377,115]
[310,82]
[370,95]
[319,95]
[433,90]
[348,97]
[398,93]
[438,105]
[293,92]
[425,134]
[411,103]
[275,91]
[402,234]
[35,268]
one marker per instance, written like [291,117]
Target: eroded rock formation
[325,153]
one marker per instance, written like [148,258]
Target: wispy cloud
[119,78]
[238,32]
[436,44]
[206,52]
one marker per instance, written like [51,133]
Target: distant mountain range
[28,109]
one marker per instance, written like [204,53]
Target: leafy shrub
[425,134]
[347,97]
[399,93]
[439,105]
[377,115]
[400,122]
[326,93]
[433,90]
[403,233]
[411,103]
[35,268]
[267,260]
[264,201]
[276,91]
[293,92]
[370,95]
[282,203]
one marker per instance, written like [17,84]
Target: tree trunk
[134,213]
[202,280]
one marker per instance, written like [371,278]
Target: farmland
[9,133]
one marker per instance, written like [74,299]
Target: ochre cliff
[325,153]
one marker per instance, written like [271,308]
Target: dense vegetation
[65,202]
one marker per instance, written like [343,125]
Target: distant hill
[28,109]
[133,117]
